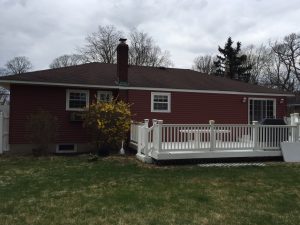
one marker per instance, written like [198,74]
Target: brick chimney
[122,62]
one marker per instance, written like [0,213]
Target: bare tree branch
[18,65]
[260,59]
[67,60]
[3,71]
[101,45]
[288,51]
[144,52]
[285,73]
[204,64]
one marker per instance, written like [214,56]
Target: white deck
[173,150]
[202,141]
[214,154]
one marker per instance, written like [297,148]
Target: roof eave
[7,82]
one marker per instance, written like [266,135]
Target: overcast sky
[45,29]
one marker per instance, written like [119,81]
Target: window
[104,96]
[160,102]
[77,100]
[66,148]
[260,109]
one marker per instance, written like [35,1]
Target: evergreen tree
[232,63]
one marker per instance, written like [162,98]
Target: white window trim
[104,92]
[163,94]
[62,151]
[78,91]
[274,106]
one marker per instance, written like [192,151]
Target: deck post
[295,132]
[159,134]
[139,144]
[212,135]
[145,138]
[294,118]
[255,134]
[297,119]
[154,121]
[131,130]
[146,122]
[155,134]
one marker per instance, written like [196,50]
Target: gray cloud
[44,29]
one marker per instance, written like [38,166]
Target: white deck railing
[134,131]
[209,137]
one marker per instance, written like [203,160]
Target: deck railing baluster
[205,137]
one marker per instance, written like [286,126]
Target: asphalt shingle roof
[138,76]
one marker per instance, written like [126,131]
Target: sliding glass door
[260,109]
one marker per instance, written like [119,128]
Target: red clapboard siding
[198,107]
[26,99]
[185,108]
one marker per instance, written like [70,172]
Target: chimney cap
[123,40]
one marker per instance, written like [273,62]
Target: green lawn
[116,190]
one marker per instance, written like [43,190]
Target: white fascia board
[140,88]
[56,84]
[204,91]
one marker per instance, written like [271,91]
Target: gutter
[139,88]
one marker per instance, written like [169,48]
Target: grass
[116,190]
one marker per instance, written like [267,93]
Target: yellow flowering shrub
[108,123]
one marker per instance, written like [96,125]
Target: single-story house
[180,96]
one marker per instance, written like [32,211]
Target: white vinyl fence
[4,129]
[209,137]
